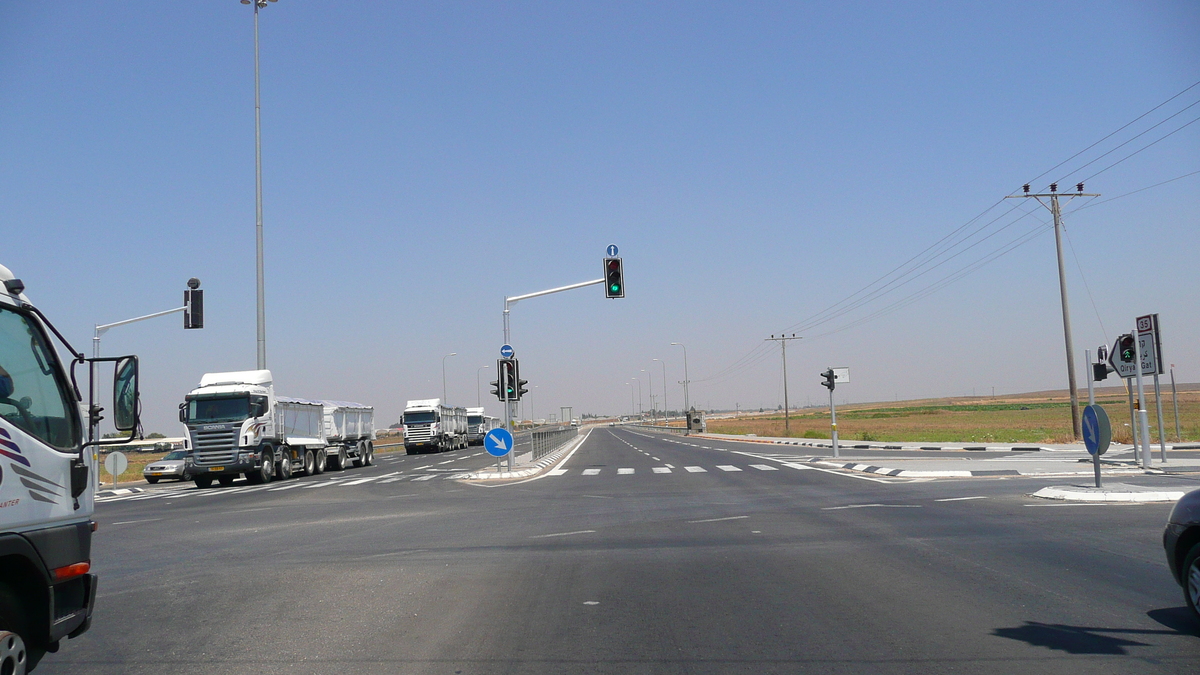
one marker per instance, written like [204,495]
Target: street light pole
[478,393]
[650,386]
[258,226]
[686,402]
[639,405]
[664,395]
[444,401]
[632,410]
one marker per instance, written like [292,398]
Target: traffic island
[1114,492]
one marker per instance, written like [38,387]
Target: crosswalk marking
[763,467]
[624,472]
[695,469]
[360,481]
[727,467]
[661,469]
[591,472]
[285,487]
[429,477]
[556,472]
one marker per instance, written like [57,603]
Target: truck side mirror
[183,412]
[125,394]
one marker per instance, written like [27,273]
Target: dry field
[1041,417]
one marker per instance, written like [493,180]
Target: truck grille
[214,447]
[415,434]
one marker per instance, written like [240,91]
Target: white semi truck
[478,424]
[47,590]
[235,424]
[430,426]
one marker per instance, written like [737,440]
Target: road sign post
[115,463]
[1097,435]
[1148,325]
[499,443]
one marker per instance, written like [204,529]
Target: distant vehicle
[237,425]
[478,424]
[1181,539]
[430,426]
[170,466]
[47,468]
[575,422]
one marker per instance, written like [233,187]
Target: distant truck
[430,426]
[478,424]
[47,466]
[237,425]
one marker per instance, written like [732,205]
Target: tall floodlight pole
[686,401]
[783,340]
[258,227]
[664,396]
[1062,290]
[444,401]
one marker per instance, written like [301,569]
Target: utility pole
[783,340]
[1175,402]
[1053,195]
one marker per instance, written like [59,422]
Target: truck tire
[310,463]
[339,462]
[369,458]
[226,481]
[266,469]
[15,634]
[283,470]
[322,461]
[359,460]
[203,482]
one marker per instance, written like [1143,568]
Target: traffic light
[614,278]
[496,387]
[520,386]
[507,380]
[193,305]
[1126,349]
[828,381]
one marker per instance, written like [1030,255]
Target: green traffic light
[615,288]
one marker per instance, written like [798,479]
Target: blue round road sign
[612,250]
[1097,433]
[507,351]
[498,442]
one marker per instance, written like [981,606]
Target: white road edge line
[958,499]
[562,534]
[717,520]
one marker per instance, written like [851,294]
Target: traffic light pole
[833,422]
[1062,290]
[510,407]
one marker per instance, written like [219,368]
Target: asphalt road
[625,560]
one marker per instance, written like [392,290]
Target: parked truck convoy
[478,424]
[47,590]
[430,426]
[236,425]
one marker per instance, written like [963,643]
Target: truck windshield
[424,417]
[227,409]
[475,419]
[34,395]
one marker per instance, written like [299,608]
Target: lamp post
[478,394]
[686,403]
[444,401]
[639,402]
[632,410]
[664,394]
[258,226]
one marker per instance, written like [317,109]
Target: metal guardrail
[678,431]
[545,441]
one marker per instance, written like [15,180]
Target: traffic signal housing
[828,382]
[496,386]
[614,278]
[1127,350]
[193,307]
[507,380]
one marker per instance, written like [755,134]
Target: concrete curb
[529,470]
[879,446]
[1115,493]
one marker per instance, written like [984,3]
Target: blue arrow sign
[1097,433]
[507,351]
[612,250]
[498,442]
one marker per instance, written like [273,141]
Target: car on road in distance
[170,466]
[1181,539]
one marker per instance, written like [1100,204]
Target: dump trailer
[478,424]
[350,433]
[47,471]
[430,426]
[236,424]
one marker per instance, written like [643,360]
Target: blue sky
[756,163]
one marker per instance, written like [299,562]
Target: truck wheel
[369,459]
[359,461]
[203,482]
[339,462]
[16,655]
[266,470]
[310,463]
[284,470]
[225,481]
[322,461]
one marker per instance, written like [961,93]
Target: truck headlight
[245,458]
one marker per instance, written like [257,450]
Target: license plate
[156,474]
[216,468]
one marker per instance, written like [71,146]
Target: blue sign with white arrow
[507,351]
[612,250]
[1097,432]
[498,442]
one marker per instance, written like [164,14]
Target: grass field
[1043,417]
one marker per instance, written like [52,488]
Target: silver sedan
[170,466]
